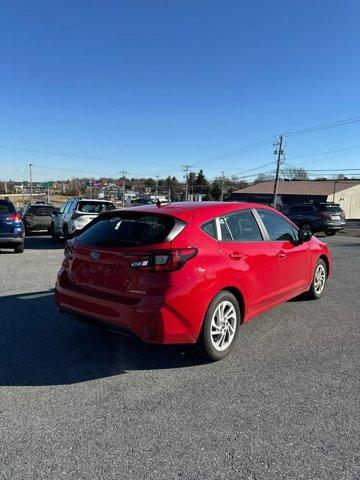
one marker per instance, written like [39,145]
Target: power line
[324,153]
[324,126]
[74,155]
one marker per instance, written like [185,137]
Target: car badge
[94,255]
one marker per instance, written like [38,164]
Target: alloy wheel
[319,278]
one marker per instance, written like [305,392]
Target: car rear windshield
[94,207]
[127,229]
[42,210]
[331,208]
[6,207]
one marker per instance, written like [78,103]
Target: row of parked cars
[64,222]
[76,213]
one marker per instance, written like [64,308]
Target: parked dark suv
[320,217]
[11,227]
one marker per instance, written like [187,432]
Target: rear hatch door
[101,256]
[6,226]
[40,215]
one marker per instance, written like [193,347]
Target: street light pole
[31,184]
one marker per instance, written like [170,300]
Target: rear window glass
[210,229]
[42,210]
[6,207]
[127,230]
[331,208]
[94,207]
[302,210]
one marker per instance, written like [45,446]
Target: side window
[243,227]
[62,208]
[225,231]
[210,229]
[68,207]
[277,227]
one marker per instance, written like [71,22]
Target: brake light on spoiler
[165,260]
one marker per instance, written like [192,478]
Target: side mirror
[304,236]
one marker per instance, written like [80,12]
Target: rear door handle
[281,254]
[236,256]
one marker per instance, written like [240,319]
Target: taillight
[68,251]
[323,214]
[15,217]
[165,260]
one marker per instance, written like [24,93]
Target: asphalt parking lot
[80,403]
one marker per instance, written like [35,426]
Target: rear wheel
[19,248]
[319,280]
[330,233]
[307,227]
[220,327]
[66,232]
[54,235]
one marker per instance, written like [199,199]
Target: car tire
[220,327]
[19,248]
[319,280]
[330,233]
[308,227]
[54,235]
[66,232]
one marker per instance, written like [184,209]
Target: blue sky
[149,85]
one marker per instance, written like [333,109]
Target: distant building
[344,192]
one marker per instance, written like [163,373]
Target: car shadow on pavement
[42,242]
[38,346]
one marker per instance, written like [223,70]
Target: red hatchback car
[188,272]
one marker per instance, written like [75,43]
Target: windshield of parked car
[127,230]
[94,207]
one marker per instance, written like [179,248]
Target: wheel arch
[239,297]
[326,260]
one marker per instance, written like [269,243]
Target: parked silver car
[74,214]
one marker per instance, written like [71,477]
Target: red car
[188,272]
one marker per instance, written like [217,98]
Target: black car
[11,227]
[37,217]
[320,217]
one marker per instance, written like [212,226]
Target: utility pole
[156,186]
[185,168]
[31,184]
[90,190]
[222,185]
[123,185]
[280,153]
[334,192]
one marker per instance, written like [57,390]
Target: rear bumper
[10,242]
[334,225]
[152,318]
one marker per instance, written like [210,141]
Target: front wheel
[319,280]
[330,233]
[220,327]
[19,248]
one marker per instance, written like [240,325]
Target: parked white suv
[74,214]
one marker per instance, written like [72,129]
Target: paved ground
[77,403]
